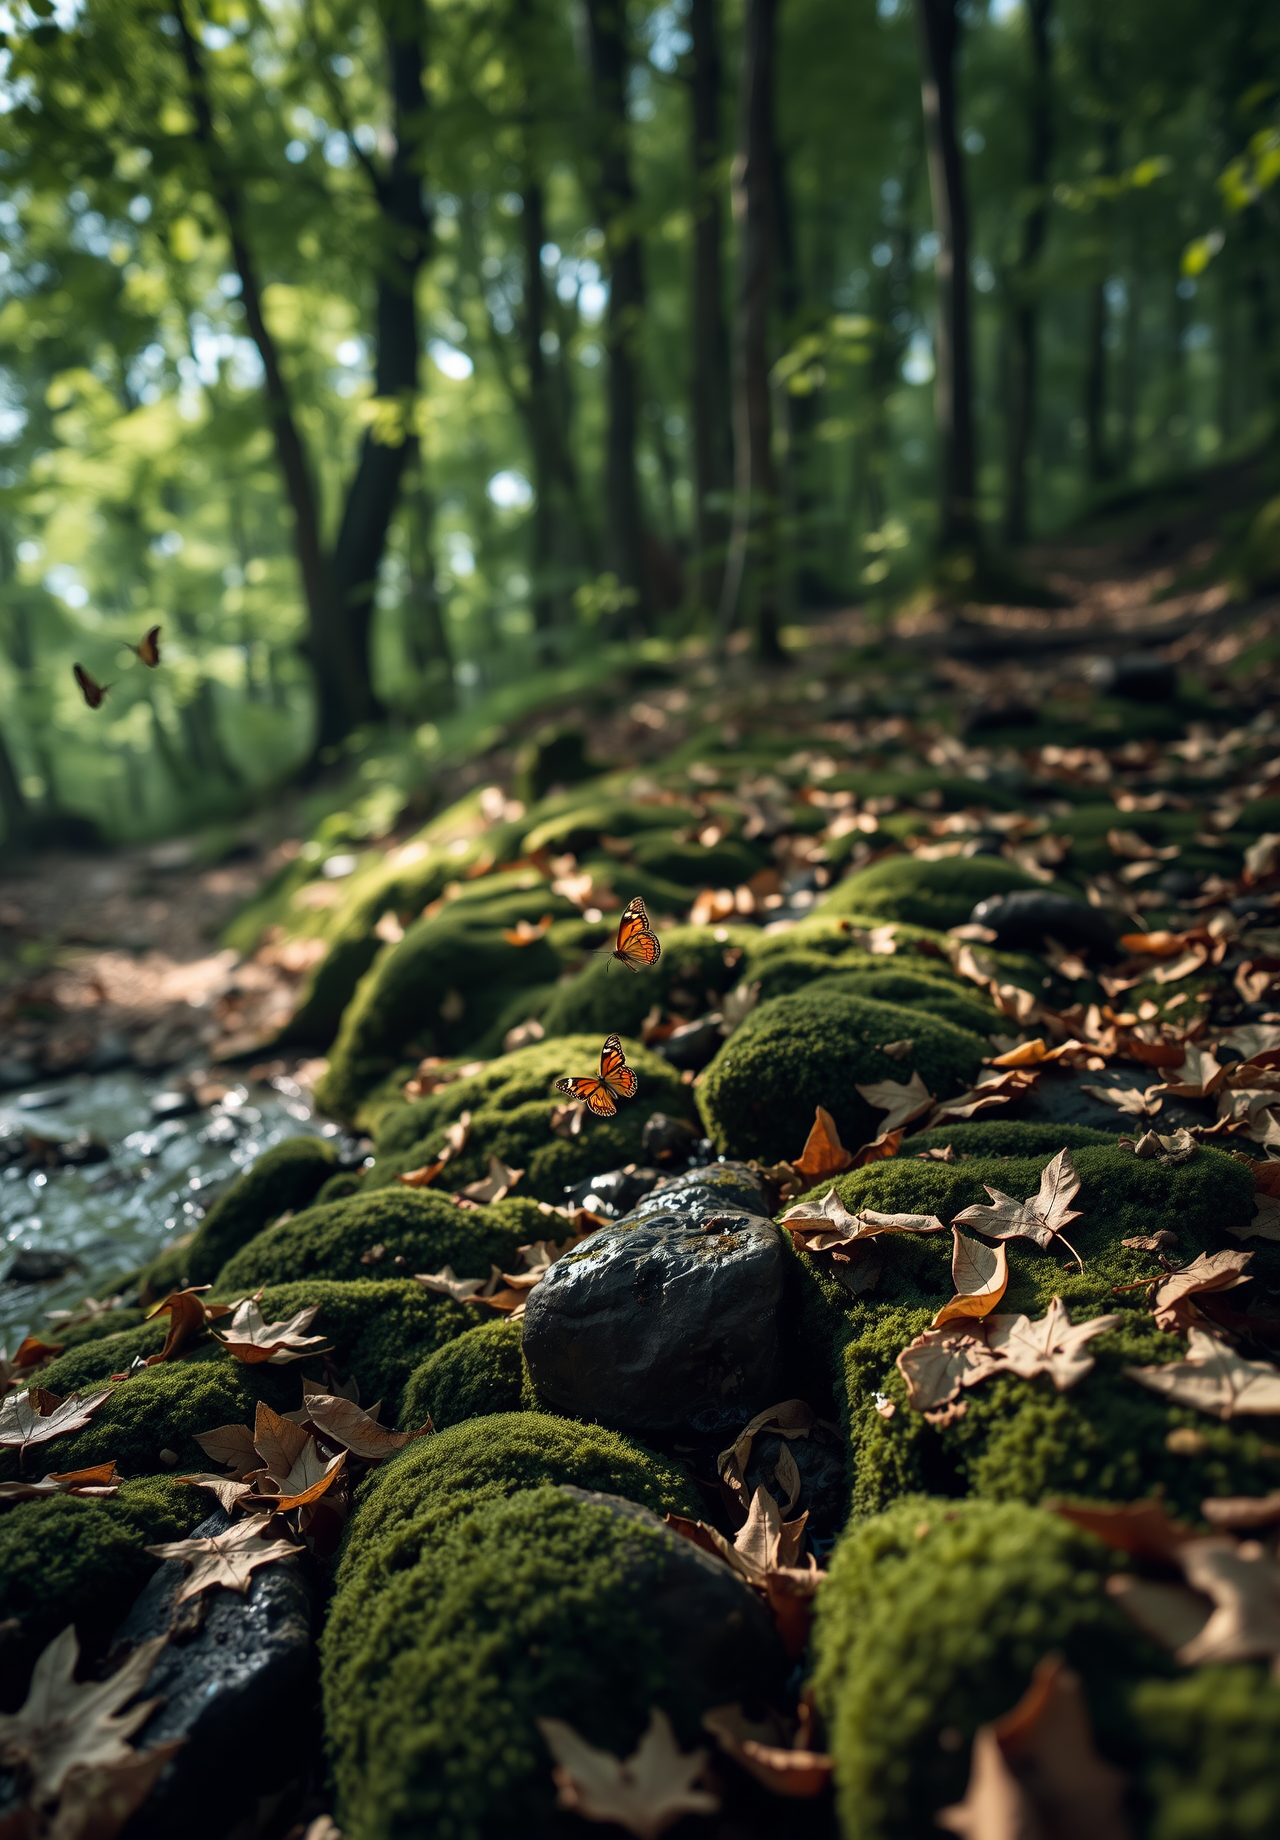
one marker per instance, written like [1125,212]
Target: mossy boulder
[698,965]
[999,1135]
[931,1623]
[71,1560]
[935,894]
[284,1179]
[591,815]
[936,996]
[757,1097]
[1107,1437]
[475,1376]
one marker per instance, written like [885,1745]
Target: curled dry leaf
[938,1363]
[1171,1151]
[31,1355]
[526,932]
[992,1089]
[1228,1610]
[567,1119]
[496,1185]
[64,1725]
[1037,1772]
[233,1446]
[341,1421]
[1265,1223]
[1163,1241]
[1173,1300]
[980,1274]
[455,1142]
[229,1493]
[898,1050]
[1128,1099]
[766,1552]
[93,1484]
[253,1341]
[189,1317]
[422,1177]
[1040,1218]
[225,1559]
[792,1419]
[823,1154]
[25,1421]
[1197,1077]
[462,1290]
[901,1102]
[1215,1379]
[821,1226]
[645,1793]
[761,1748]
[1050,1346]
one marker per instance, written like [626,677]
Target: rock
[1142,677]
[713,1624]
[615,1192]
[693,1045]
[175,1104]
[1059,1099]
[40,1265]
[824,1490]
[239,1692]
[668,1320]
[1180,884]
[1022,919]
[670,1140]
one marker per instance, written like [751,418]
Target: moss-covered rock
[592,815]
[284,1179]
[757,1097]
[931,1623]
[475,1376]
[71,1560]
[936,996]
[696,968]
[934,894]
[1020,1439]
[997,1135]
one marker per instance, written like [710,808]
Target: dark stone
[667,1321]
[614,1193]
[823,1486]
[714,1625]
[239,1691]
[40,1265]
[1142,677]
[175,1104]
[1024,918]
[1179,884]
[668,1140]
[1059,1100]
[702,1194]
[694,1045]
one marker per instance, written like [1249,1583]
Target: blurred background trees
[390,352]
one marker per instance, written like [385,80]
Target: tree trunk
[939,28]
[13,802]
[624,547]
[709,384]
[426,640]
[1024,355]
[753,548]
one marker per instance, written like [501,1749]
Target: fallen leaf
[64,1725]
[1242,1512]
[1171,1151]
[1265,1223]
[98,1799]
[1169,1613]
[981,1277]
[1050,1346]
[880,1149]
[232,1445]
[422,1177]
[1040,1218]
[792,1419]
[1163,1241]
[225,1559]
[1215,1379]
[1035,1774]
[823,1154]
[761,1750]
[496,1185]
[189,1316]
[251,1340]
[820,1226]
[1141,1528]
[30,1356]
[23,1423]
[900,1102]
[462,1290]
[938,1363]
[526,932]
[1171,1301]
[94,1483]
[1128,1099]
[230,1493]
[1198,1077]
[645,1793]
[568,1119]
[1242,1582]
[343,1422]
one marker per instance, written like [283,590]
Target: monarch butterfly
[617,1081]
[149,649]
[91,689]
[638,945]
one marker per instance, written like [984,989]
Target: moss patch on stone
[694,972]
[475,1376]
[934,894]
[757,1097]
[997,1135]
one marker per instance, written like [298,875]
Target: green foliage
[694,972]
[934,894]
[477,1375]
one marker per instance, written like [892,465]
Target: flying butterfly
[638,946]
[617,1081]
[92,691]
[149,648]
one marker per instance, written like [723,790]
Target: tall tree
[938,23]
[616,202]
[1024,353]
[752,566]
[708,382]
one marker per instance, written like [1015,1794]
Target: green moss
[284,1178]
[757,1097]
[934,894]
[590,818]
[1210,1742]
[480,1373]
[996,1135]
[67,1560]
[936,996]
[694,865]
[694,972]
[473,1597]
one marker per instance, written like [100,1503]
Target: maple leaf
[1050,1346]
[1172,1302]
[1265,1223]
[938,1363]
[23,1423]
[1198,1077]
[64,1725]
[981,1277]
[341,1421]
[1036,1771]
[253,1341]
[1128,1099]
[820,1226]
[765,1552]
[230,1493]
[1040,1218]
[224,1559]
[95,1483]
[496,1185]
[296,1473]
[900,1102]
[645,1793]
[188,1317]
[792,1419]
[232,1445]
[761,1749]
[462,1290]
[1215,1379]
[823,1153]
[1243,1585]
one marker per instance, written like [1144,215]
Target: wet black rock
[823,1485]
[615,1192]
[1025,918]
[668,1320]
[712,1624]
[1060,1099]
[667,1141]
[238,1691]
[40,1265]
[694,1045]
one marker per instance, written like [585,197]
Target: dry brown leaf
[1050,1346]
[823,1154]
[422,1177]
[343,1422]
[981,1277]
[898,1050]
[1265,1223]
[1173,1300]
[526,932]
[496,1185]
[232,1445]
[1172,1150]
[189,1316]
[880,1149]
[901,1103]
[30,1356]
[1242,1513]
[94,1483]
[1197,1077]
[1242,1582]
[253,1341]
[763,1751]
[1040,1218]
[462,1290]
[64,1725]
[938,1363]
[1169,1613]
[1128,1099]
[567,1119]
[1215,1379]
[1035,1774]
[225,1559]
[645,1793]
[23,1422]
[98,1799]
[821,1226]
[229,1493]
[792,1419]
[1142,1529]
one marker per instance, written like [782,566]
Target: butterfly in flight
[617,1081]
[149,650]
[638,945]
[91,689]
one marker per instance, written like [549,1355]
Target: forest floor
[113,957]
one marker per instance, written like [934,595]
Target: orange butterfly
[149,650]
[617,1081]
[637,946]
[92,690]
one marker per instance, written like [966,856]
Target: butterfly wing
[149,650]
[594,1093]
[638,945]
[90,689]
[614,1071]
